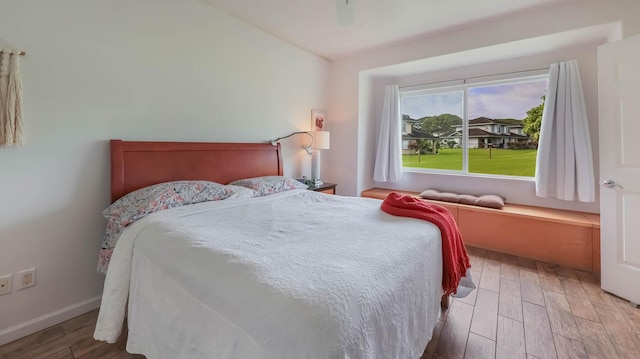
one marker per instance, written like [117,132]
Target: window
[488,128]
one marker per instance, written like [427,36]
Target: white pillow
[242,192]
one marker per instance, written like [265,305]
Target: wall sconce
[305,147]
[321,142]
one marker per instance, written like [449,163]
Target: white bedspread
[297,274]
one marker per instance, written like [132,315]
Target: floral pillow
[269,184]
[139,203]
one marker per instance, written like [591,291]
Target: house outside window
[482,128]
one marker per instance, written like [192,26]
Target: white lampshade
[321,140]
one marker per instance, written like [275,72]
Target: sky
[497,101]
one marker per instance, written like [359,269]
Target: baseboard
[45,321]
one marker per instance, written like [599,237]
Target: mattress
[299,274]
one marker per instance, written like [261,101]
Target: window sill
[467,175]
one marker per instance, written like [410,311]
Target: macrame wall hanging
[11,125]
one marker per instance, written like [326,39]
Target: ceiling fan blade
[346,14]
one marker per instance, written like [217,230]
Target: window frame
[464,85]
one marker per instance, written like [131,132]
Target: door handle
[611,184]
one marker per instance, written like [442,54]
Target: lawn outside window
[487,128]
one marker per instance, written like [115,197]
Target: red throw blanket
[455,260]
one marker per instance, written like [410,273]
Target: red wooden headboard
[137,164]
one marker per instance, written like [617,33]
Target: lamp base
[315,169]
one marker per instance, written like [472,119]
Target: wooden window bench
[567,238]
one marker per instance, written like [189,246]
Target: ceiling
[313,24]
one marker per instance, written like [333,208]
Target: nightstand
[326,187]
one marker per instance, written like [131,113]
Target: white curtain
[11,126]
[388,166]
[564,167]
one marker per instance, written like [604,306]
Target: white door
[619,103]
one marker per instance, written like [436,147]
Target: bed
[296,274]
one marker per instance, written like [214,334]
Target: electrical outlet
[27,278]
[5,283]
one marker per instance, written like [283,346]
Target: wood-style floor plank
[573,288]
[86,346]
[19,346]
[596,340]
[631,314]
[490,276]
[44,351]
[509,268]
[80,322]
[530,287]
[485,314]
[527,264]
[510,343]
[549,277]
[569,348]
[510,301]
[586,276]
[479,347]
[532,319]
[63,354]
[567,274]
[582,307]
[476,257]
[106,351]
[493,256]
[624,340]
[560,316]
[596,295]
[455,332]
[537,331]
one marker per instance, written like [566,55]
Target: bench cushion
[491,201]
[488,200]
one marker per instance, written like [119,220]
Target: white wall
[356,81]
[147,70]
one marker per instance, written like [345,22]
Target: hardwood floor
[528,309]
[522,309]
[72,339]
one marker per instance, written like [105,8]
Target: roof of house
[499,121]
[476,132]
[511,134]
[419,135]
